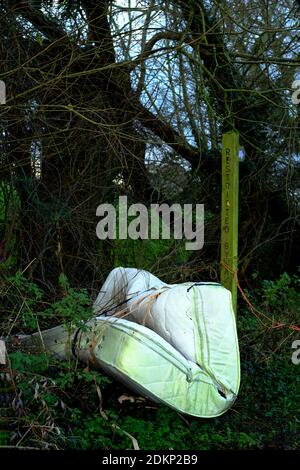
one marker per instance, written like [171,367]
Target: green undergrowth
[62,405]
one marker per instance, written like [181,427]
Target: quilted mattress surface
[174,343]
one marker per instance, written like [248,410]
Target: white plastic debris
[2,352]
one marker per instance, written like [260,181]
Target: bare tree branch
[147,52]
[47,26]
[168,134]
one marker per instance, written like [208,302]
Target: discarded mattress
[176,344]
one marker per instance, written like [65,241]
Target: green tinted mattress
[146,363]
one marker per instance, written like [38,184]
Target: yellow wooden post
[229,215]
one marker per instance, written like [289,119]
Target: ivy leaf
[39,38]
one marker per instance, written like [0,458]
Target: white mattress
[180,346]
